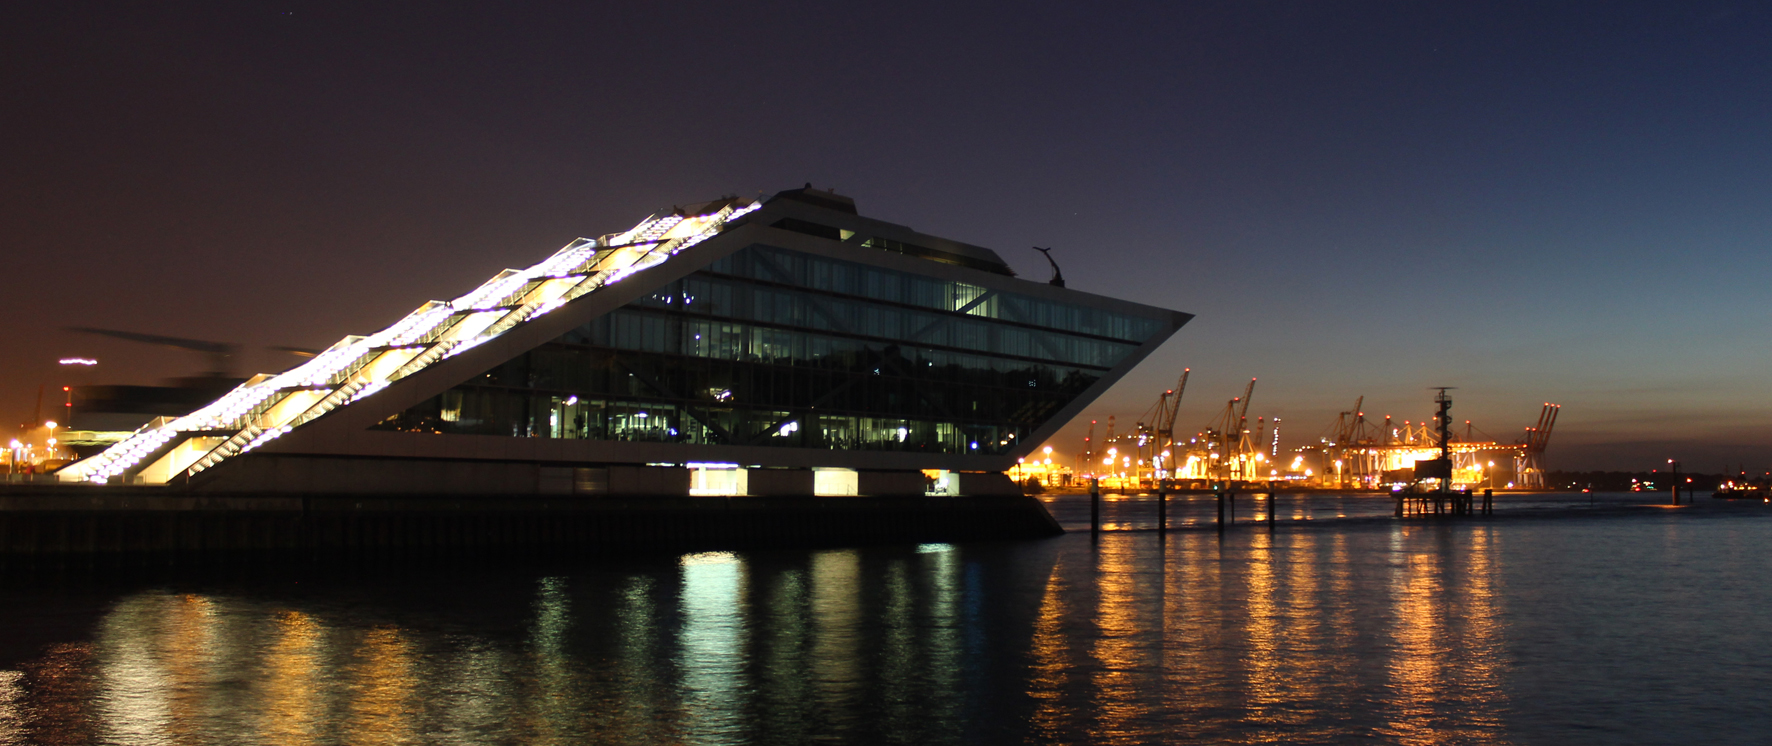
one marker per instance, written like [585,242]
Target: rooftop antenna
[1057,274]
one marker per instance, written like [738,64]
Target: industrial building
[1353,454]
[777,347]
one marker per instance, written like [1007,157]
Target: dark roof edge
[828,199]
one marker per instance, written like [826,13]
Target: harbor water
[1561,619]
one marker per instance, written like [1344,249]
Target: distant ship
[1742,489]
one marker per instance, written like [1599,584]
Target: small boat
[1743,490]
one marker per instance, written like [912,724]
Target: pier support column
[1273,506]
[1094,506]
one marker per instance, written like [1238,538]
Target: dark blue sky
[1531,201]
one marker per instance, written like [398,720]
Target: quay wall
[99,521]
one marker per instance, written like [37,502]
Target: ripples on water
[1616,629]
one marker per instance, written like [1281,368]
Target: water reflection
[292,677]
[713,646]
[551,711]
[1398,633]
[1051,670]
[836,645]
[382,689]
[1124,646]
[12,702]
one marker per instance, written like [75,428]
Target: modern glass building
[778,346]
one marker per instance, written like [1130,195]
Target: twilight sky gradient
[1534,202]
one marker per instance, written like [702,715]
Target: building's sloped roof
[268,406]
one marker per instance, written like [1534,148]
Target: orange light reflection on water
[289,708]
[1292,636]
[1292,663]
[1123,643]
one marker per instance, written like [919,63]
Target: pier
[145,521]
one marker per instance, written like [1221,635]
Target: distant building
[777,347]
[101,416]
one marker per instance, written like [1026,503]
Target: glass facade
[770,347]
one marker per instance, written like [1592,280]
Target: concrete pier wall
[316,475]
[102,521]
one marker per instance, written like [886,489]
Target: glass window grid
[770,264]
[772,365]
[722,299]
[673,332]
[523,414]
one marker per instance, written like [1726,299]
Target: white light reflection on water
[836,645]
[133,696]
[631,697]
[1430,632]
[473,691]
[784,634]
[12,699]
[552,710]
[714,646]
[943,635]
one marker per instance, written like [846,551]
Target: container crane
[1166,422]
[1528,465]
[1159,433]
[1245,449]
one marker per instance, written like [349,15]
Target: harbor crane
[1166,422]
[1244,447]
[1528,464]
[1225,441]
[1161,429]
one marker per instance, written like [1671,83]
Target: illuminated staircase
[268,407]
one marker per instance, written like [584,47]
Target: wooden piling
[1094,506]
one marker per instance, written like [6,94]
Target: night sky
[1533,202]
